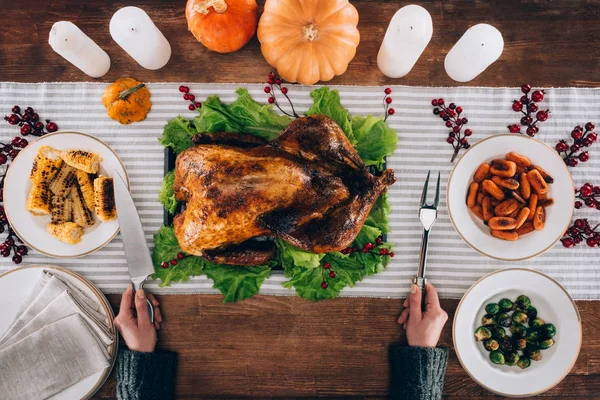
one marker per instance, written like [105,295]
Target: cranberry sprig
[572,154]
[369,248]
[10,243]
[189,97]
[274,83]
[581,231]
[451,116]
[528,106]
[29,121]
[589,194]
[327,270]
[387,100]
[173,262]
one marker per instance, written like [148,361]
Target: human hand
[138,332]
[423,328]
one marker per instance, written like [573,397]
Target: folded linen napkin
[50,360]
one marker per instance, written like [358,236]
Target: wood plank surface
[285,347]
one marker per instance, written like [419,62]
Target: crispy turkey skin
[308,187]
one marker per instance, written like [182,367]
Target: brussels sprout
[533,352]
[524,362]
[518,330]
[531,313]
[547,331]
[498,332]
[532,335]
[492,308]
[506,345]
[482,333]
[519,343]
[487,320]
[491,344]
[503,319]
[497,357]
[546,344]
[523,302]
[519,317]
[506,305]
[511,358]
[537,323]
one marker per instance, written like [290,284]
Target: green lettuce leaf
[380,213]
[177,134]
[375,140]
[166,248]
[292,255]
[327,102]
[236,282]
[166,196]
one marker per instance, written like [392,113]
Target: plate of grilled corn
[59,196]
[510,197]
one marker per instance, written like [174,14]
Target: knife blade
[136,249]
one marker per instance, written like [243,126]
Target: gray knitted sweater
[416,373]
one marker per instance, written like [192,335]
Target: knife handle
[138,286]
[421,283]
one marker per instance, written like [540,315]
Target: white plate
[32,229]
[475,233]
[554,306]
[16,284]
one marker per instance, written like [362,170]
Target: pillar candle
[135,32]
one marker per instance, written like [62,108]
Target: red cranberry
[332,274]
[14,119]
[561,147]
[576,134]
[574,148]
[324,285]
[184,89]
[388,90]
[284,90]
[16,141]
[465,121]
[180,256]
[514,128]
[39,126]
[456,129]
[591,242]
[464,141]
[186,96]
[572,162]
[591,203]
[468,132]
[13,153]
[16,109]
[198,104]
[271,75]
[532,107]
[440,101]
[580,223]
[589,126]
[25,130]
[270,81]
[525,88]
[191,97]
[3,159]
[35,117]
[524,99]
[165,264]
[526,120]
[192,107]
[542,115]
[586,191]
[578,204]
[277,81]
[51,127]
[449,124]
[173,262]
[537,96]
[434,102]
[392,254]
[17,259]
[326,265]
[443,114]
[450,140]
[5,253]
[23,143]
[584,157]
[517,106]
[388,100]
[568,242]
[271,100]
[531,131]
[391,111]
[267,89]
[459,109]
[592,136]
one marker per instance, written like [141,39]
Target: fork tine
[437,192]
[424,193]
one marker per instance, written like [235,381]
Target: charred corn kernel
[505,235]
[538,184]
[472,196]
[82,215]
[502,223]
[86,185]
[477,211]
[46,164]
[515,195]
[62,182]
[104,199]
[506,207]
[486,208]
[525,186]
[62,209]
[480,197]
[546,202]
[38,200]
[504,168]
[539,218]
[526,228]
[493,189]
[508,183]
[481,173]
[518,159]
[533,203]
[547,177]
[68,232]
[522,217]
[82,159]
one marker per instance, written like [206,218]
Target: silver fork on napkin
[428,216]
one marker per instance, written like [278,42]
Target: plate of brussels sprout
[517,332]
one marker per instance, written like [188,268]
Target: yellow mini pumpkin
[309,40]
[127,100]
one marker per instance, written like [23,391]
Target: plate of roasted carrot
[510,197]
[59,197]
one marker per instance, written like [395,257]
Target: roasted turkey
[308,187]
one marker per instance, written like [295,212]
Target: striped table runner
[452,265]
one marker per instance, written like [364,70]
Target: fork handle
[422,284]
[420,279]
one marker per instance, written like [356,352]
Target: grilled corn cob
[82,215]
[45,166]
[86,185]
[62,182]
[68,232]
[82,159]
[62,209]
[104,198]
[38,200]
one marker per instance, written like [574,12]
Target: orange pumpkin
[222,25]
[309,40]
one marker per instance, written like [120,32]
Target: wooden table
[286,347]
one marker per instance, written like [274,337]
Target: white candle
[77,48]
[479,47]
[135,32]
[406,37]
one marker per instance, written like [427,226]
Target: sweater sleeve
[417,373]
[146,376]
